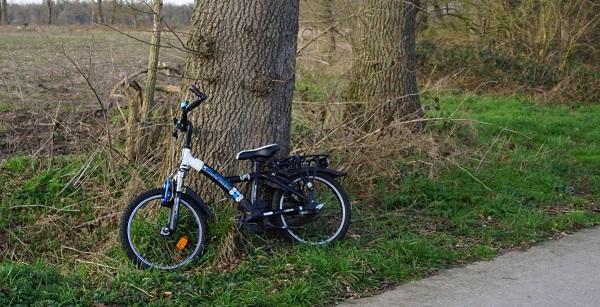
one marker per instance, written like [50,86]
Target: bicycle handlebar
[201,97]
[182,124]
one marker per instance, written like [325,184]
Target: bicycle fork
[174,209]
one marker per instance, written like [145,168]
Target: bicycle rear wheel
[328,225]
[143,242]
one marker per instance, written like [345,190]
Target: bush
[477,65]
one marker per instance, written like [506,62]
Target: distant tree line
[78,12]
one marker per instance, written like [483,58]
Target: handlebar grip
[194,89]
[194,104]
[201,97]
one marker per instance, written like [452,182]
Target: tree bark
[4,13]
[49,4]
[384,69]
[132,142]
[113,14]
[100,13]
[148,101]
[438,10]
[327,17]
[244,60]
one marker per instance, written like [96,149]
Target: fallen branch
[169,88]
[141,72]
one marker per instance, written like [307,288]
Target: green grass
[4,107]
[509,189]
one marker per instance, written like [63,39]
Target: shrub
[477,65]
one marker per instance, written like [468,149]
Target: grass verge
[525,173]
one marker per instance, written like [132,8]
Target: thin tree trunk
[437,10]
[333,112]
[49,4]
[423,7]
[384,70]
[134,20]
[115,8]
[245,59]
[327,17]
[148,102]
[100,14]
[132,142]
[4,13]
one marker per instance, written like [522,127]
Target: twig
[92,222]
[135,74]
[470,174]
[96,264]
[142,290]
[43,206]
[79,173]
[17,238]
[489,149]
[312,40]
[64,52]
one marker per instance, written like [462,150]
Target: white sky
[40,1]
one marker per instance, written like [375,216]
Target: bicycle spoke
[315,228]
[162,251]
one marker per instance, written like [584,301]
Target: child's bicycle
[166,228]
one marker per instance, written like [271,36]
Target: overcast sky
[166,1]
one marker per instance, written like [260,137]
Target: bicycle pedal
[253,217]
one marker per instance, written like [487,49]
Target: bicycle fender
[200,202]
[331,172]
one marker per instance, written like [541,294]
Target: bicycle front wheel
[147,247]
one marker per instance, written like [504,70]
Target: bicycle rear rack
[300,162]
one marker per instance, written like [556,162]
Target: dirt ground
[46,106]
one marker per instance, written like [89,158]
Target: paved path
[559,273]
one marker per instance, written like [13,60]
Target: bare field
[45,103]
[46,106]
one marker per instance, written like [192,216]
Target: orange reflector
[183,241]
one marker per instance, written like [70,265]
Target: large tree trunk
[244,61]
[384,69]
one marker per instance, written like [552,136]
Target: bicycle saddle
[258,153]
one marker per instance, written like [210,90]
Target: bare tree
[548,32]
[326,15]
[100,16]
[4,12]
[134,97]
[148,101]
[244,59]
[383,71]
[49,4]
[113,14]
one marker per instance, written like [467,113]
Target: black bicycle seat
[258,153]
